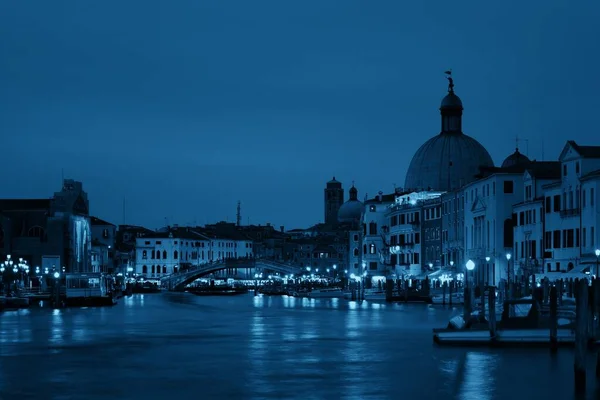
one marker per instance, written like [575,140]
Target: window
[548,204]
[158,254]
[145,269]
[508,187]
[356,253]
[565,170]
[556,201]
[372,228]
[152,255]
[556,239]
[175,254]
[164,254]
[592,197]
[577,167]
[583,237]
[355,237]
[372,248]
[144,254]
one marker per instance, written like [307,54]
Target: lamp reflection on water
[56,327]
[475,376]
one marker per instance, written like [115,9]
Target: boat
[528,328]
[335,293]
[89,289]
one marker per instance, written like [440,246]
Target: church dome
[351,211]
[515,159]
[451,159]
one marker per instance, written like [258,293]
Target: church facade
[58,227]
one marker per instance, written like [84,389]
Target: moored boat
[528,328]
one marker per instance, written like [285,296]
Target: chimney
[268,224]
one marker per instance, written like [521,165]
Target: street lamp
[56,275]
[508,257]
[597,260]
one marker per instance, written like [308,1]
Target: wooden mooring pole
[553,319]
[492,312]
[581,333]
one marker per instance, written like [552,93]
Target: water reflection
[477,376]
[246,347]
[56,327]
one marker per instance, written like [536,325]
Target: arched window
[164,269]
[356,253]
[152,255]
[175,269]
[153,269]
[203,254]
[158,269]
[145,269]
[144,254]
[157,254]
[364,249]
[36,231]
[175,254]
[164,254]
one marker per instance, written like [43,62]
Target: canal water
[179,346]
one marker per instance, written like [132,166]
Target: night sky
[185,107]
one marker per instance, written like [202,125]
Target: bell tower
[334,198]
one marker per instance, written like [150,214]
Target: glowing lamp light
[487,259]
[15,269]
[452,263]
[56,275]
[597,252]
[470,265]
[352,276]
[1,268]
[335,266]
[308,268]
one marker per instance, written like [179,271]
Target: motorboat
[527,327]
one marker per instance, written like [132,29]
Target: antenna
[526,146]
[123,210]
[238,220]
[542,148]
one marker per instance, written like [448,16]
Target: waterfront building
[376,258]
[431,233]
[529,219]
[571,211]
[166,252]
[405,235]
[103,245]
[453,229]
[57,227]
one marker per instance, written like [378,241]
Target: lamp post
[597,252]
[508,278]
[468,290]
[487,267]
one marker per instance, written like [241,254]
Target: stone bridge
[178,281]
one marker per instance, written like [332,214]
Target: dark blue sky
[185,107]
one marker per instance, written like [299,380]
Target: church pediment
[478,205]
[569,152]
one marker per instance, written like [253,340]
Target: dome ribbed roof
[445,162]
[514,159]
[350,211]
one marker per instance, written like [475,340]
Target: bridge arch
[178,281]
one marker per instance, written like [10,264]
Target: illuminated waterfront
[245,347]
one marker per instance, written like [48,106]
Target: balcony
[570,212]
